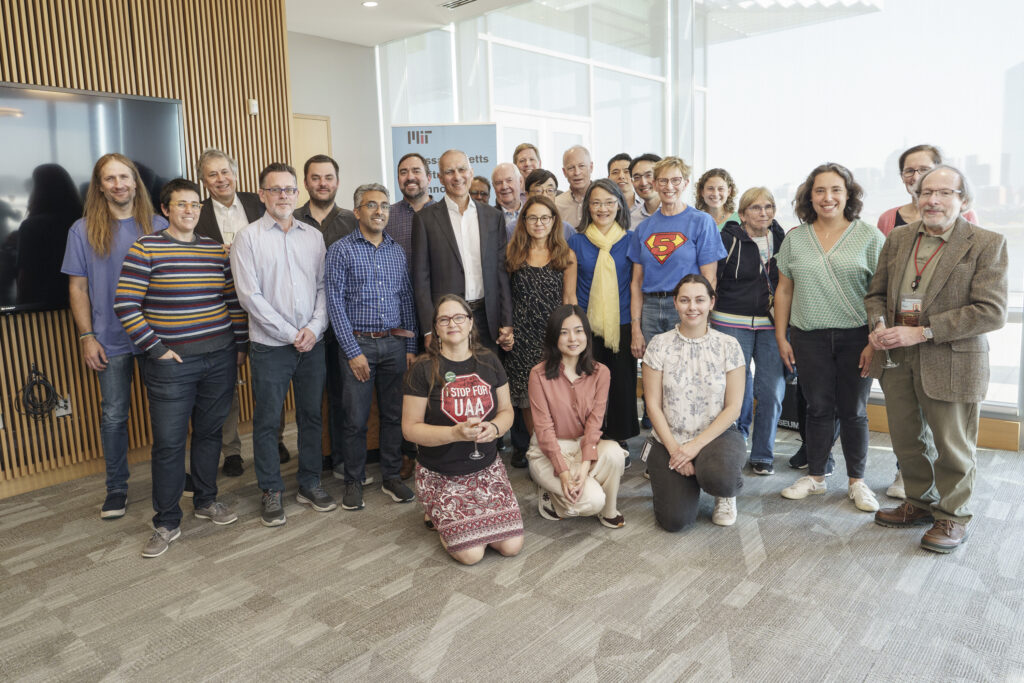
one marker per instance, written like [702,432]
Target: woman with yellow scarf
[602,290]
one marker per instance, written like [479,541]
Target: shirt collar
[225,207]
[944,236]
[452,206]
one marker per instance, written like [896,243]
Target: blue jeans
[830,380]
[273,369]
[767,385]
[386,358]
[198,391]
[335,372]
[658,315]
[115,401]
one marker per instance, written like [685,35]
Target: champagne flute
[474,420]
[889,362]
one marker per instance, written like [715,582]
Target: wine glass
[474,419]
[889,362]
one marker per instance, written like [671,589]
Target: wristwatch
[927,333]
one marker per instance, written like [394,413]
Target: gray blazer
[966,298]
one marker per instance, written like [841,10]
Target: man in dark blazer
[458,247]
[941,285]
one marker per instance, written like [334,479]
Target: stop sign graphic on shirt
[466,396]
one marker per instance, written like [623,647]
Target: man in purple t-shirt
[116,213]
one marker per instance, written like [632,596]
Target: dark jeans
[801,418]
[273,369]
[196,390]
[115,402]
[830,381]
[386,358]
[620,420]
[335,372]
[717,470]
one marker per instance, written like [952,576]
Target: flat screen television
[50,140]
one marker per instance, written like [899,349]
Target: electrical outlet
[63,407]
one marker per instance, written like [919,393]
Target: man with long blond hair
[115,214]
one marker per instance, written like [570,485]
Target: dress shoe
[408,467]
[232,466]
[945,536]
[282,452]
[903,516]
[518,459]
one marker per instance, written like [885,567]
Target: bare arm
[783,301]
[710,271]
[81,310]
[569,280]
[636,305]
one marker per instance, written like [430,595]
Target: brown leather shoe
[408,467]
[945,536]
[903,516]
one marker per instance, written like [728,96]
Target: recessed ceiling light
[369,3]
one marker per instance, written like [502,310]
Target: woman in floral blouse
[694,380]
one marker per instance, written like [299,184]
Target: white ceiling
[350,22]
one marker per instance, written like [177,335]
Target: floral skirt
[470,509]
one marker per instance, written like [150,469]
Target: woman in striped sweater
[176,300]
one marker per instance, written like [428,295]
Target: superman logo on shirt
[662,244]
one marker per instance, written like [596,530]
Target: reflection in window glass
[532,81]
[540,26]
[630,35]
[628,116]
[418,74]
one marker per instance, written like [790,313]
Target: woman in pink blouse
[578,472]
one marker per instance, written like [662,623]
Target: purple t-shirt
[670,247]
[80,260]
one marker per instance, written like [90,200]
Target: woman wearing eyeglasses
[744,310]
[914,163]
[456,406]
[542,273]
[676,240]
[825,267]
[602,289]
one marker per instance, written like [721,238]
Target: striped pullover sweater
[180,296]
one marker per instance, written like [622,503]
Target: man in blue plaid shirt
[369,301]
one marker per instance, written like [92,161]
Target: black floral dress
[535,293]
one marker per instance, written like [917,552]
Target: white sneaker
[863,497]
[896,489]
[803,487]
[725,511]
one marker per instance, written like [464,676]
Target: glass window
[527,80]
[630,35]
[539,25]
[418,75]
[629,114]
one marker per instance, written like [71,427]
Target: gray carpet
[797,590]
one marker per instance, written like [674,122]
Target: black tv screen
[50,140]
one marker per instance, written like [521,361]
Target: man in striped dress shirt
[370,303]
[176,300]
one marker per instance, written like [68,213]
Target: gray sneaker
[399,492]
[217,513]
[273,511]
[159,541]
[316,498]
[353,498]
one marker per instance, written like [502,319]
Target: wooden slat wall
[214,57]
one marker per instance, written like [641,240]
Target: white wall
[338,80]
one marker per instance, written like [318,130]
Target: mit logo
[662,244]
[418,137]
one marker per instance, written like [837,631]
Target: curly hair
[730,201]
[519,246]
[99,220]
[803,207]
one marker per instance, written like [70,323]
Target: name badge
[910,311]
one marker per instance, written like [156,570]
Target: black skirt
[620,420]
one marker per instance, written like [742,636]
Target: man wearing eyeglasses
[278,263]
[369,300]
[578,168]
[646,200]
[458,247]
[940,286]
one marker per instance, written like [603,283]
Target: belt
[476,305]
[396,332]
[660,295]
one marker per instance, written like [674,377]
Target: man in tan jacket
[941,284]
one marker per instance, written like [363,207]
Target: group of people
[469,321]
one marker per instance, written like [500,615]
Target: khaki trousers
[934,441]
[600,491]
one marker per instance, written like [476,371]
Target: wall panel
[213,56]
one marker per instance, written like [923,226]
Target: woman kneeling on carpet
[456,406]
[577,471]
[694,378]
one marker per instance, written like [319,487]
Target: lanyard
[920,271]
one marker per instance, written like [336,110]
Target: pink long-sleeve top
[568,410]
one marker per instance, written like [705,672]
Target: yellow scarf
[603,307]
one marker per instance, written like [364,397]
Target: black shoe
[189,489]
[518,459]
[114,506]
[799,459]
[399,492]
[282,451]
[762,468]
[232,466]
[316,498]
[353,498]
[328,464]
